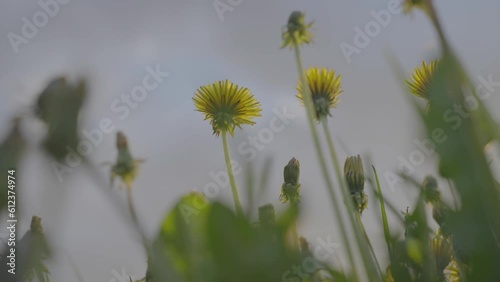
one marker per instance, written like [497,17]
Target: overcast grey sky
[113,42]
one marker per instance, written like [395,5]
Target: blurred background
[115,44]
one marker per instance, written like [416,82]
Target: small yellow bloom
[296,32]
[421,79]
[226,105]
[325,87]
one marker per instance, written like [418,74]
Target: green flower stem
[372,252]
[131,205]
[295,235]
[230,172]
[135,220]
[310,117]
[362,243]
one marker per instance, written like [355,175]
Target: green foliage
[208,242]
[59,106]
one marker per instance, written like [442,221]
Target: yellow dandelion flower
[226,105]
[325,86]
[421,79]
[442,251]
[296,32]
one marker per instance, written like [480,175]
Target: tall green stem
[326,175]
[230,172]
[295,235]
[133,215]
[362,227]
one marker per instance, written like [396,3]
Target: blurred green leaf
[243,253]
[183,237]
[59,106]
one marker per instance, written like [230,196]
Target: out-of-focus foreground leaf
[31,251]
[476,226]
[201,241]
[59,106]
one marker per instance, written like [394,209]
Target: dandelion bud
[304,245]
[36,224]
[290,190]
[292,172]
[121,140]
[411,225]
[267,216]
[296,32]
[431,192]
[126,167]
[355,178]
[354,174]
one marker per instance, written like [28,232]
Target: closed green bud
[126,167]
[430,188]
[267,216]
[290,190]
[291,172]
[354,174]
[411,225]
[36,224]
[297,31]
[355,177]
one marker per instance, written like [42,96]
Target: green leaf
[183,238]
[244,253]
